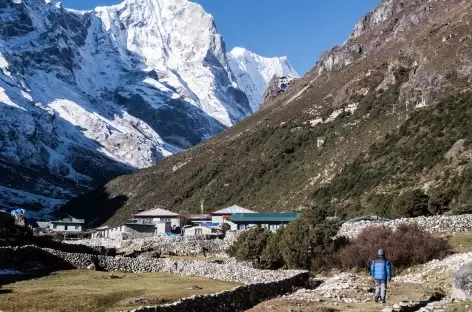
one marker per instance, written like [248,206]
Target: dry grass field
[79,290]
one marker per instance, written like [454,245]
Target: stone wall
[435,224]
[227,270]
[182,246]
[237,299]
[260,285]
[31,258]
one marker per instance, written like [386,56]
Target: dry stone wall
[260,285]
[180,245]
[31,258]
[434,224]
[227,270]
[237,299]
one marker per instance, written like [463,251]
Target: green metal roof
[264,217]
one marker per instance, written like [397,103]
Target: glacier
[254,72]
[86,96]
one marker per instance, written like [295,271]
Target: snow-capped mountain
[254,72]
[89,95]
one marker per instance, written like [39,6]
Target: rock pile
[462,283]
[343,287]
[434,224]
[424,305]
[434,269]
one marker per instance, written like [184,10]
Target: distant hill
[380,124]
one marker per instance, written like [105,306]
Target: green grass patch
[461,242]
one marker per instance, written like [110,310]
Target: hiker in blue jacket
[381,271]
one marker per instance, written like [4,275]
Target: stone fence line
[434,224]
[259,285]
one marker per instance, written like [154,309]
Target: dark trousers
[381,289]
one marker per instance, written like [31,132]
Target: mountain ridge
[90,95]
[254,73]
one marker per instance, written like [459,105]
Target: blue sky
[299,29]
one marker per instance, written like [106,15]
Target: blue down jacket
[381,269]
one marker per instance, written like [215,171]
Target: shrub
[411,204]
[408,245]
[271,257]
[250,245]
[308,243]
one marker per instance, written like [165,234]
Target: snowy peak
[90,95]
[254,72]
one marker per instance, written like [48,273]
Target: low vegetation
[304,244]
[385,178]
[405,247]
[308,244]
[460,242]
[79,290]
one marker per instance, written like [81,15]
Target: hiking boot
[384,301]
[376,299]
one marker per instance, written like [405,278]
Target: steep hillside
[86,96]
[373,120]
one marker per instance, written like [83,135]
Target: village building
[199,218]
[67,224]
[159,215]
[270,221]
[201,230]
[223,216]
[132,229]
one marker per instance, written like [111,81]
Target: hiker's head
[381,252]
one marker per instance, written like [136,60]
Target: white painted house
[132,230]
[224,216]
[159,215]
[67,224]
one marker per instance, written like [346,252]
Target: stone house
[132,230]
[158,215]
[198,230]
[270,221]
[199,218]
[224,216]
[68,224]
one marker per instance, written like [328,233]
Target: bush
[411,204]
[308,243]
[250,245]
[271,257]
[408,245]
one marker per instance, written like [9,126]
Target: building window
[54,226]
[77,227]
[165,220]
[65,227]
[198,231]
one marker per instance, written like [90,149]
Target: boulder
[462,283]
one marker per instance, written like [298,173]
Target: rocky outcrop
[277,86]
[388,21]
[462,283]
[254,73]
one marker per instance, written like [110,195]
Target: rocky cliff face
[254,72]
[276,87]
[87,96]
